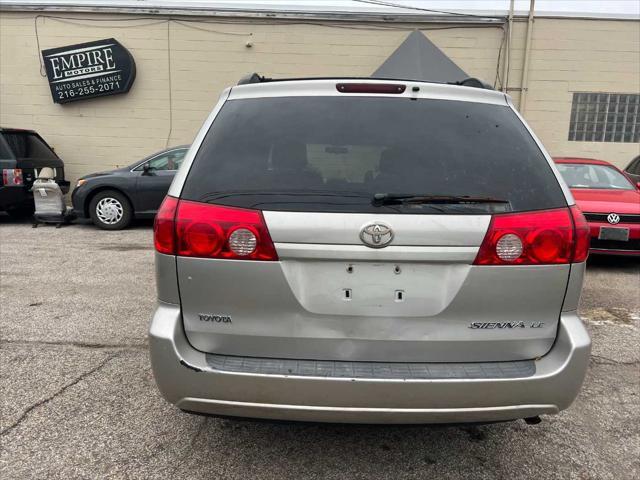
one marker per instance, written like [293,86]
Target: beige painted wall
[567,56]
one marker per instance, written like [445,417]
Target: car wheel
[110,210]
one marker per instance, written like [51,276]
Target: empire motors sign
[89,70]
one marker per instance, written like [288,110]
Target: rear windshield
[333,154]
[5,153]
[28,145]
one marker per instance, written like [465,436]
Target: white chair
[48,199]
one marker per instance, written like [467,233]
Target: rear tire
[110,210]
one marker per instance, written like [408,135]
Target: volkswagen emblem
[376,235]
[613,218]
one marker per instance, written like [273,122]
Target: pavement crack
[60,391]
[610,361]
[96,345]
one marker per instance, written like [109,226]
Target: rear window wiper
[211,196]
[380,199]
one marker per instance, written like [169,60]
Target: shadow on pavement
[78,222]
[618,262]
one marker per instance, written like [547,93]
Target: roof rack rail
[473,82]
[257,78]
[253,78]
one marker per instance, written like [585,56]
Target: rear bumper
[64,185]
[186,379]
[14,197]
[614,247]
[603,251]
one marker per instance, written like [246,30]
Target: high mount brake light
[193,229]
[535,238]
[392,88]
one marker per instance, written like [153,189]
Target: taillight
[583,235]
[534,238]
[193,229]
[12,177]
[390,88]
[164,237]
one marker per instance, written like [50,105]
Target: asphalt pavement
[79,401]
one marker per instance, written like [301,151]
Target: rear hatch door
[314,167]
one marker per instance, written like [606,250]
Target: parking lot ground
[78,398]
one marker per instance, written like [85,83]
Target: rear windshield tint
[28,145]
[333,154]
[5,152]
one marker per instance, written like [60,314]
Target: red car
[610,201]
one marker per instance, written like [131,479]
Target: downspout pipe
[507,53]
[527,57]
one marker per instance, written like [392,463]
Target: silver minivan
[370,251]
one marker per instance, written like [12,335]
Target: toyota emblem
[376,235]
[613,218]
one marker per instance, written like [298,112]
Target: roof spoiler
[257,78]
[472,82]
[252,78]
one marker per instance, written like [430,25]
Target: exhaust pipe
[533,420]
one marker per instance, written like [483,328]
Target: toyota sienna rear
[368,251]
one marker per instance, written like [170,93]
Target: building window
[605,117]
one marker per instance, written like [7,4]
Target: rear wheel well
[93,193]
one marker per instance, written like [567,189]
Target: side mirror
[147,170]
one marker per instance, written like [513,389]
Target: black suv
[22,154]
